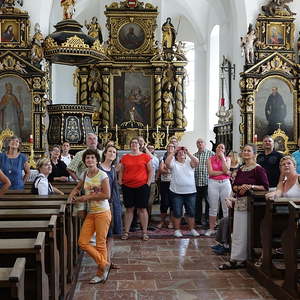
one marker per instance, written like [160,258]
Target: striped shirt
[201,173]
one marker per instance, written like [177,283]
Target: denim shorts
[180,200]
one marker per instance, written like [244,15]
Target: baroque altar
[139,88]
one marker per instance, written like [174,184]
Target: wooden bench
[29,229]
[37,202]
[45,214]
[12,281]
[290,243]
[36,280]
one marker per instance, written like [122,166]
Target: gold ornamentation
[37,83]
[97,46]
[74,42]
[4,135]
[157,101]
[9,63]
[250,83]
[50,43]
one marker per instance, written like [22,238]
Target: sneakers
[177,233]
[210,233]
[194,232]
[217,247]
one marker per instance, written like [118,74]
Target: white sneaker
[194,232]
[210,233]
[177,233]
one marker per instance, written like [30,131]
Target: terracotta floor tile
[137,285]
[186,284]
[152,275]
[133,268]
[167,269]
[85,295]
[114,295]
[239,294]
[155,295]
[198,295]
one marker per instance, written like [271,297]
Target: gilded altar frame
[142,55]
[275,67]
[29,84]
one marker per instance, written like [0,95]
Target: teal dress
[13,169]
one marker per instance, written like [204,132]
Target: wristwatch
[252,187]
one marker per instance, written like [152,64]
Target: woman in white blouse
[41,185]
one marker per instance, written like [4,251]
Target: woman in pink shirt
[219,186]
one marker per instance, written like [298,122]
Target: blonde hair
[235,156]
[287,157]
[41,162]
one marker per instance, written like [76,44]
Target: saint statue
[94,29]
[168,103]
[168,34]
[247,45]
[37,52]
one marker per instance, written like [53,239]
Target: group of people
[186,182]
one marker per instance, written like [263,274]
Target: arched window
[190,86]
[214,78]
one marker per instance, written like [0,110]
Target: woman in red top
[135,177]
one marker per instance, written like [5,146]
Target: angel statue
[247,45]
[273,5]
[69,8]
[37,52]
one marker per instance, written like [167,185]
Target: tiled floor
[167,269]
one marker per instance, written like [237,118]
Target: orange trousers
[98,223]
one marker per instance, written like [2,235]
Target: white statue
[247,45]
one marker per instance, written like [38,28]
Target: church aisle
[167,269]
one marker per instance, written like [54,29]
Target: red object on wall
[222,101]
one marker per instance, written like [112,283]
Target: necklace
[11,165]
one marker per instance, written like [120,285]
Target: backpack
[34,189]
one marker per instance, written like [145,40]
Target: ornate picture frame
[132,97]
[131,36]
[275,34]
[16,106]
[275,107]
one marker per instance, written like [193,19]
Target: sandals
[232,265]
[125,236]
[96,279]
[145,237]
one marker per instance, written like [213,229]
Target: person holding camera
[182,187]
[219,186]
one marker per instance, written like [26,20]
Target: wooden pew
[36,280]
[256,208]
[51,201]
[290,244]
[29,229]
[12,281]
[45,214]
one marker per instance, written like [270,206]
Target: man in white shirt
[65,156]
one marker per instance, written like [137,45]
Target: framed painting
[15,106]
[132,93]
[131,36]
[275,108]
[10,31]
[275,34]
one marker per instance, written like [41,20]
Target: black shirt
[270,163]
[58,170]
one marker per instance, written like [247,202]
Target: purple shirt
[256,176]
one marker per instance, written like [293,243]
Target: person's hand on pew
[272,195]
[61,178]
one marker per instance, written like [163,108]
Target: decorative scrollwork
[75,42]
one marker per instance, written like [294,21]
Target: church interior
[149,150]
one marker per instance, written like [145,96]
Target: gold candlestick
[147,134]
[117,138]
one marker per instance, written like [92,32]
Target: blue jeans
[180,200]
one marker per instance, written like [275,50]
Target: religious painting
[15,106]
[10,31]
[274,108]
[275,34]
[132,97]
[131,36]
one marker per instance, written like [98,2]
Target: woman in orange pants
[96,188]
